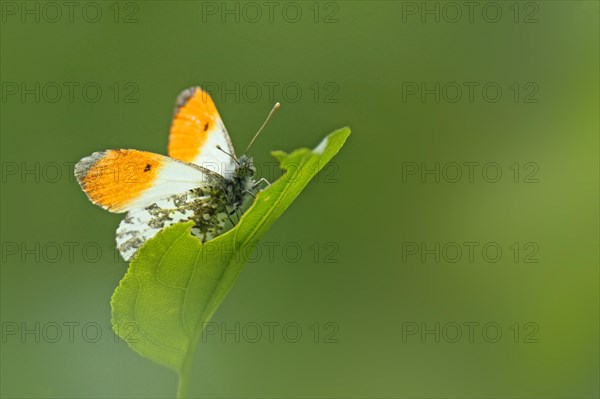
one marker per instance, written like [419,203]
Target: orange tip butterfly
[201,180]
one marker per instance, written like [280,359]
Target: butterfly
[201,180]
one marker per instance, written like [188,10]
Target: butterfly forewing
[123,180]
[197,130]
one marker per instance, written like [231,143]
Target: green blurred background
[364,227]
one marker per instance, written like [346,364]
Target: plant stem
[186,368]
[182,384]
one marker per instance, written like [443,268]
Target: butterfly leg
[230,219]
[261,180]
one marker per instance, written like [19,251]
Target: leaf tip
[336,139]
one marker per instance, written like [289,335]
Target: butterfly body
[200,182]
[208,206]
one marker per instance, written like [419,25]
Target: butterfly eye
[147,168]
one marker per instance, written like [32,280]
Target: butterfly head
[245,169]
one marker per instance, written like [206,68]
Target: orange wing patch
[195,116]
[114,178]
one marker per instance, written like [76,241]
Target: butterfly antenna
[275,107]
[225,152]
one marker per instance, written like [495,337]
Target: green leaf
[175,283]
